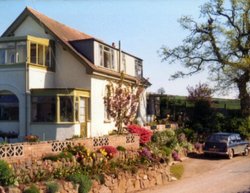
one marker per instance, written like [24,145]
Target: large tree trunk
[244,95]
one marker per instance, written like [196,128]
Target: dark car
[228,144]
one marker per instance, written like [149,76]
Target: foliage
[167,151]
[6,174]
[200,92]
[219,43]
[200,95]
[121,148]
[84,182]
[110,150]
[61,155]
[52,187]
[31,138]
[161,91]
[144,134]
[122,102]
[146,155]
[244,129]
[32,189]
[177,170]
[166,138]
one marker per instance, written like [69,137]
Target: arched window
[9,106]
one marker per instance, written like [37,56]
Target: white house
[53,79]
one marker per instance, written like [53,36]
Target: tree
[201,97]
[220,42]
[161,91]
[122,102]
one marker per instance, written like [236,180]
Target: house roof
[65,35]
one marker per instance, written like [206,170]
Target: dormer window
[107,57]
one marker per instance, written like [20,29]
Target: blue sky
[142,26]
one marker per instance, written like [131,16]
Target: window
[41,55]
[107,57]
[33,53]
[82,110]
[59,106]
[106,104]
[66,109]
[124,62]
[43,109]
[138,68]
[21,52]
[9,107]
[12,52]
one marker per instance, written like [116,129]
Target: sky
[142,26]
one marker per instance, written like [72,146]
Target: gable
[30,27]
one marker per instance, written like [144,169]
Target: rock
[145,177]
[2,189]
[122,185]
[173,178]
[13,190]
[104,189]
[158,178]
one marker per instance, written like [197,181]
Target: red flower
[145,134]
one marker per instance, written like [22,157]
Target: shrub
[52,187]
[31,138]
[6,174]
[32,189]
[121,148]
[145,134]
[167,151]
[145,154]
[79,151]
[110,150]
[176,156]
[167,138]
[84,182]
[177,170]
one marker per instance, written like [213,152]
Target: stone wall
[126,182]
[21,152]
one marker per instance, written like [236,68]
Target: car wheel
[246,151]
[230,153]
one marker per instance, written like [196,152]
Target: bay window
[59,106]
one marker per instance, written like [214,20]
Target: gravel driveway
[215,175]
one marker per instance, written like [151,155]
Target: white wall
[142,109]
[13,80]
[98,125]
[70,73]
[39,78]
[55,131]
[30,27]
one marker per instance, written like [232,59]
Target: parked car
[228,144]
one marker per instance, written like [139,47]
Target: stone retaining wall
[124,182]
[127,182]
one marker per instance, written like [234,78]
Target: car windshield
[218,138]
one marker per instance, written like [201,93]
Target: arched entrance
[9,114]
